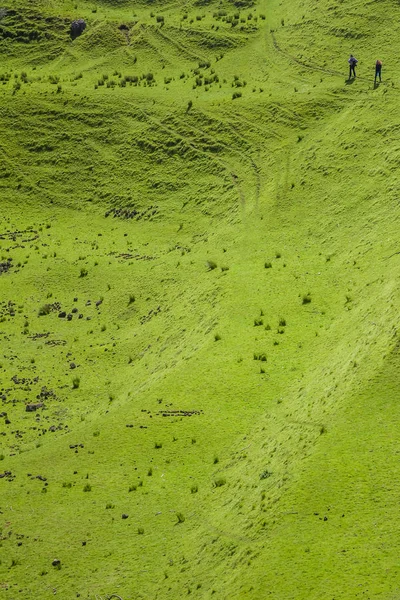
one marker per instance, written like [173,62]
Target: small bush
[67,485]
[87,488]
[180,517]
[265,474]
[216,460]
[131,299]
[150,472]
[236,95]
[194,489]
[83,272]
[211,265]
[76,383]
[109,505]
[157,445]
[140,530]
[282,322]
[267,265]
[258,322]
[219,482]
[217,337]
[306,299]
[44,310]
[132,488]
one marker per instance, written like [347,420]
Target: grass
[126,165]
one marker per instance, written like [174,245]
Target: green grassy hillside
[199,298]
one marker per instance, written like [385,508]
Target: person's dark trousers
[352,71]
[378,74]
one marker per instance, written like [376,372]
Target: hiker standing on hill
[378,70]
[352,63]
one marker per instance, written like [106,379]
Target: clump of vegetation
[44,310]
[76,383]
[306,299]
[87,487]
[180,517]
[219,482]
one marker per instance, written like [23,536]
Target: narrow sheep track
[309,65]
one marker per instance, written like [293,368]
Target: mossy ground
[228,376]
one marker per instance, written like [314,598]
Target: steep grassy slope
[199,286]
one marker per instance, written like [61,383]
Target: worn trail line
[191,143]
[311,66]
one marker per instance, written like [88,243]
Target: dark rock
[75,299]
[124,516]
[72,365]
[69,317]
[56,562]
[74,310]
[77,28]
[33,406]
[7,422]
[62,314]
[80,316]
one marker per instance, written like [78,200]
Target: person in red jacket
[378,70]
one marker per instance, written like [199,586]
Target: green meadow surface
[215,208]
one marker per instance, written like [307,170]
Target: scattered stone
[124,516]
[74,310]
[33,406]
[72,365]
[77,28]
[56,562]
[62,314]
[69,317]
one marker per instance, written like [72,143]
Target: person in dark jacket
[352,63]
[378,70]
